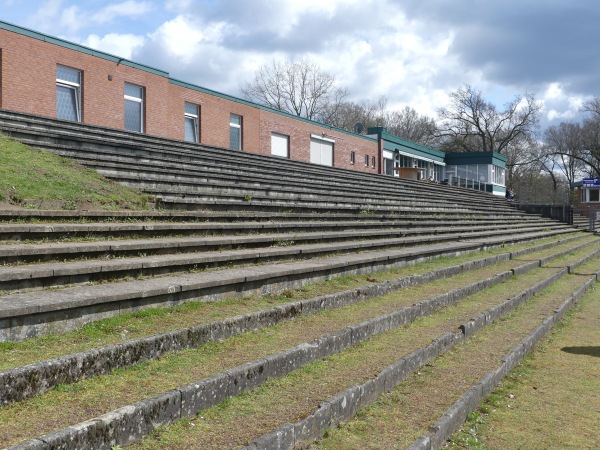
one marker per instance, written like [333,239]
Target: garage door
[321,152]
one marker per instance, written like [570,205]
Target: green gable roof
[392,143]
[465,158]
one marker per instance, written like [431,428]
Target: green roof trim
[80,48]
[465,158]
[107,56]
[242,101]
[392,142]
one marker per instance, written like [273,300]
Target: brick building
[51,77]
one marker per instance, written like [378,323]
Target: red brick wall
[300,132]
[214,118]
[28,84]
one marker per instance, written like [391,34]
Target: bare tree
[297,87]
[406,123]
[369,114]
[409,124]
[471,123]
[592,106]
[565,145]
[591,137]
[576,146]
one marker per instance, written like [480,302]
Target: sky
[414,52]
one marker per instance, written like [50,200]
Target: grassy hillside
[31,178]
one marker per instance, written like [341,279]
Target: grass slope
[31,178]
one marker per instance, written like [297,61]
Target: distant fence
[562,213]
[592,213]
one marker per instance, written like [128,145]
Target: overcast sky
[415,52]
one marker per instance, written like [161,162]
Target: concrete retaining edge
[309,429]
[74,310]
[27,381]
[470,400]
[33,379]
[128,424]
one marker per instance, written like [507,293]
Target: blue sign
[591,182]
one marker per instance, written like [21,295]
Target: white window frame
[139,100]
[236,125]
[195,118]
[322,158]
[280,136]
[73,86]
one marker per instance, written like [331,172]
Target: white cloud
[130,8]
[57,17]
[45,16]
[414,53]
[559,104]
[181,38]
[121,45]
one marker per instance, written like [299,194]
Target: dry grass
[158,320]
[406,413]
[413,407]
[552,399]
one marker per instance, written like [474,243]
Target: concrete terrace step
[25,315]
[262,225]
[476,369]
[125,141]
[157,185]
[71,273]
[226,175]
[33,216]
[117,248]
[17,380]
[248,202]
[306,170]
[195,188]
[165,406]
[207,173]
[60,230]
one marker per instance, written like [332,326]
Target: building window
[388,166]
[68,94]
[280,145]
[366,160]
[321,150]
[594,195]
[373,162]
[192,122]
[134,108]
[498,175]
[235,132]
[352,157]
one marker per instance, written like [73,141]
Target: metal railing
[562,213]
